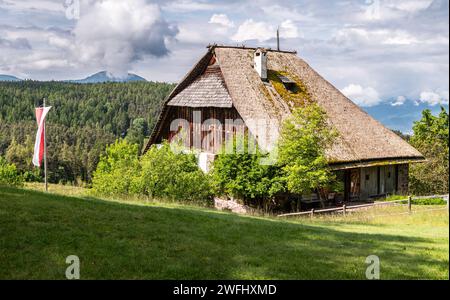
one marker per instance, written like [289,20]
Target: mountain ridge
[104,76]
[4,77]
[98,77]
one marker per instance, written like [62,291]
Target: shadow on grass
[118,240]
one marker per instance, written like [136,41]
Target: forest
[84,119]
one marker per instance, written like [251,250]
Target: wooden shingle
[207,90]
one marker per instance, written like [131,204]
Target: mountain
[9,78]
[401,117]
[107,77]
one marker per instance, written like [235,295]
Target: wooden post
[312,213]
[409,204]
[447,198]
[344,209]
[45,154]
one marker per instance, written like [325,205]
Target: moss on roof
[298,96]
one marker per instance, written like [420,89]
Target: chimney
[260,59]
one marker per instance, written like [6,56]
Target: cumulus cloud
[403,50]
[363,96]
[434,98]
[116,33]
[355,36]
[221,19]
[400,101]
[288,30]
[262,31]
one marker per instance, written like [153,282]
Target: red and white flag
[41,112]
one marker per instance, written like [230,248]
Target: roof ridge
[212,46]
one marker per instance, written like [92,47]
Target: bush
[242,175]
[116,169]
[431,201]
[9,174]
[160,173]
[171,174]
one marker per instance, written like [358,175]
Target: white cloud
[404,52]
[288,30]
[363,96]
[262,31]
[434,98]
[113,34]
[251,30]
[398,38]
[354,36]
[382,10]
[221,19]
[400,101]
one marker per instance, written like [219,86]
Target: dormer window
[288,83]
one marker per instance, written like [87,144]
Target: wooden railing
[345,208]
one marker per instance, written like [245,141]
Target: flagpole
[45,155]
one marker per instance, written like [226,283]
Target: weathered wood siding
[369,182]
[208,122]
[389,179]
[402,182]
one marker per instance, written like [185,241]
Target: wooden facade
[377,181]
[202,128]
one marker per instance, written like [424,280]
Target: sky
[391,54]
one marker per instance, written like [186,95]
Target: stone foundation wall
[232,205]
[402,180]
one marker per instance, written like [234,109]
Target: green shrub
[116,169]
[242,175]
[172,175]
[32,176]
[160,173]
[431,201]
[9,174]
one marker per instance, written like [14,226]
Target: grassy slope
[116,240]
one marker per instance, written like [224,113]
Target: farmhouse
[256,89]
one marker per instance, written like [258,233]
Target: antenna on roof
[278,38]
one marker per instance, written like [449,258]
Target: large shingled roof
[207,90]
[362,140]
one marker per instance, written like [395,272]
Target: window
[288,83]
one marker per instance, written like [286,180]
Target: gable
[207,90]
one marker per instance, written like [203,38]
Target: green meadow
[157,240]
